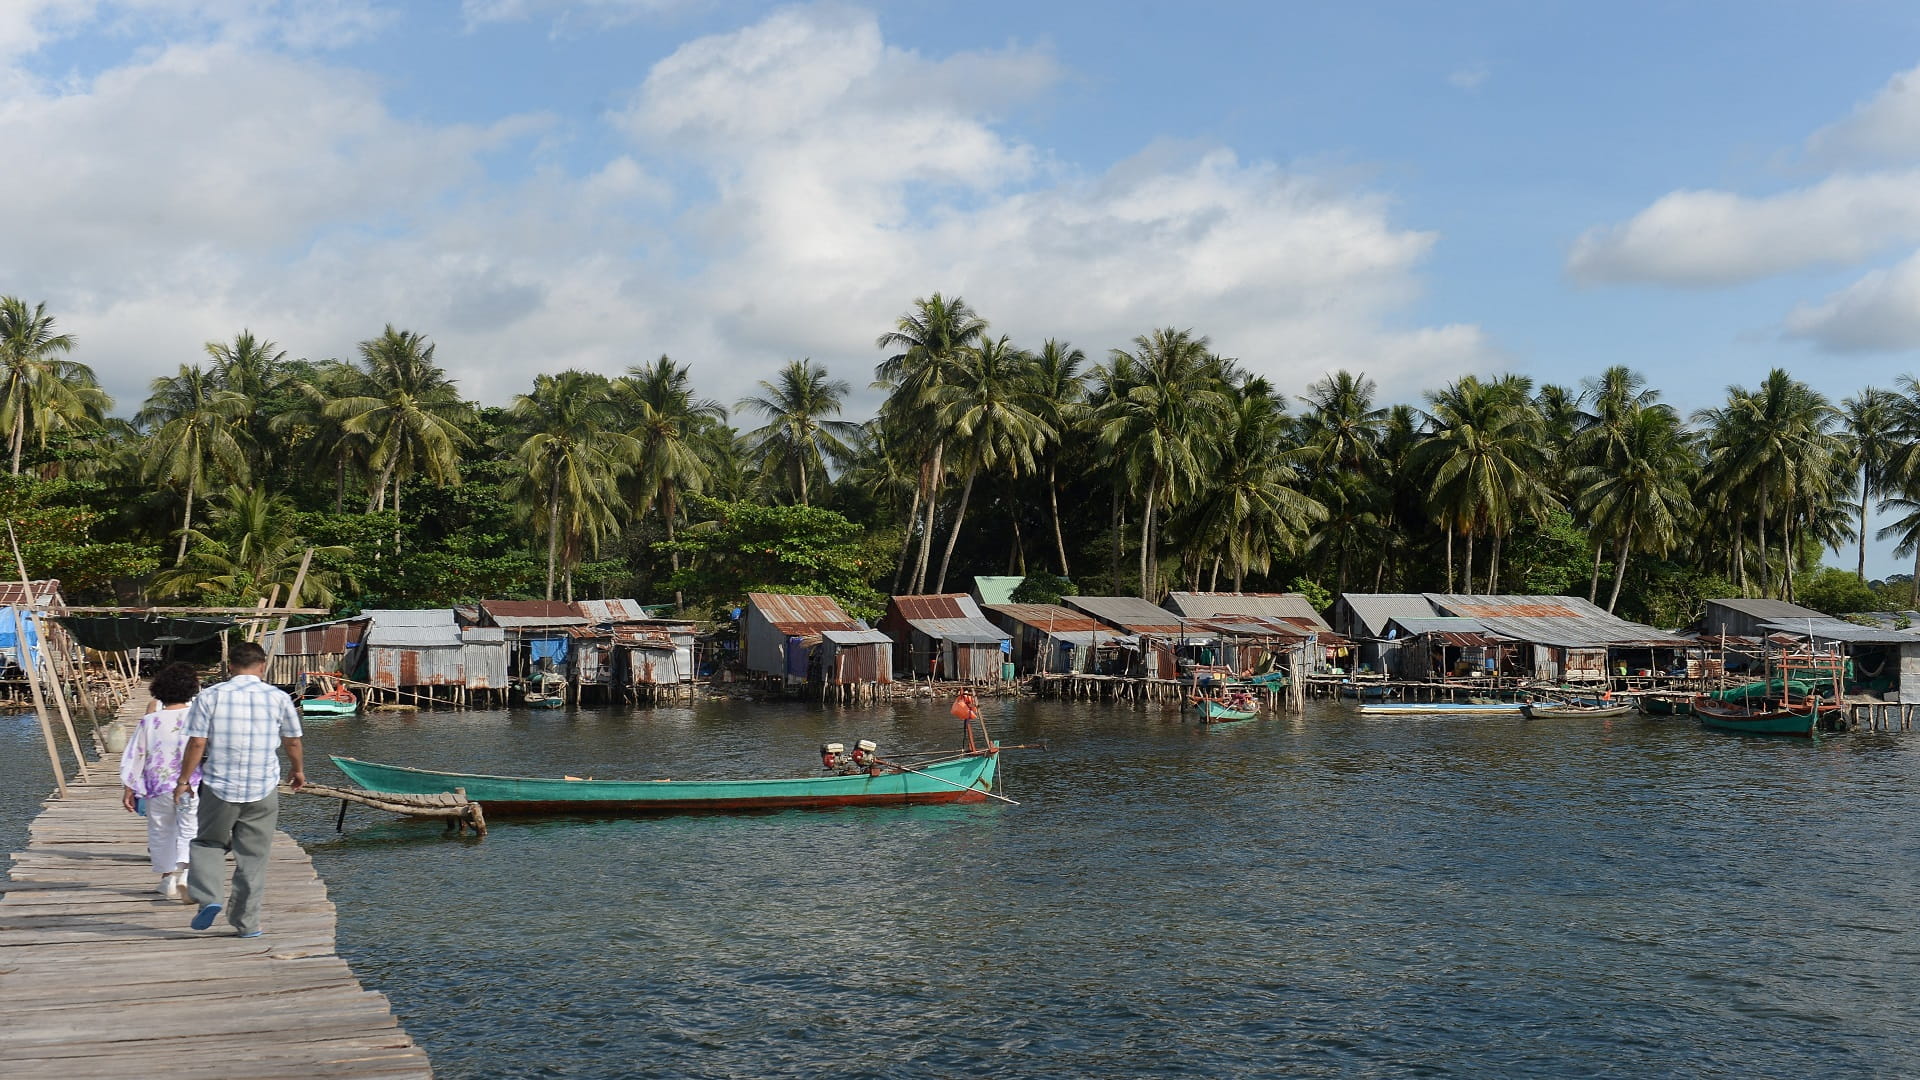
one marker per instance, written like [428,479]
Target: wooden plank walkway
[101,977]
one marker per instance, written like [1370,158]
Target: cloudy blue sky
[1702,190]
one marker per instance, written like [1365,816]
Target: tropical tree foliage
[1164,465]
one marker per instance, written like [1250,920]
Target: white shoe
[169,886]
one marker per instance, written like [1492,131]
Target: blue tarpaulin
[10,619]
[550,648]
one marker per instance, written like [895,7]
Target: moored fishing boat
[1565,710]
[1765,717]
[324,694]
[1366,691]
[547,691]
[1665,705]
[1214,712]
[1442,708]
[964,777]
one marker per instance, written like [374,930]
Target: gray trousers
[245,829]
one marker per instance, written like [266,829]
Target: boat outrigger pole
[944,780]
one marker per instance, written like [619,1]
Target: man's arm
[189,761]
[297,775]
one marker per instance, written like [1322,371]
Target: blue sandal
[205,916]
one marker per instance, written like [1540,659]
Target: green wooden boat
[1656,705]
[1212,712]
[1763,717]
[961,778]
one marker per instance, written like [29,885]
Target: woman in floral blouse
[150,768]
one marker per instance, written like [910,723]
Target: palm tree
[1061,391]
[1339,437]
[408,412]
[1158,403]
[40,392]
[252,552]
[930,339]
[571,458]
[192,441]
[664,418]
[991,409]
[314,432]
[1872,421]
[797,438]
[1607,406]
[1771,449]
[1250,507]
[253,368]
[1641,492]
[1486,462]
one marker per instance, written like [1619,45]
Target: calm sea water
[1327,896]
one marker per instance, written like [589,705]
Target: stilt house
[945,636]
[1058,640]
[808,639]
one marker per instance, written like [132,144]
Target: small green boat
[325,694]
[961,778]
[1212,712]
[1656,705]
[1763,717]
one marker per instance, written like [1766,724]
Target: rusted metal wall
[655,667]
[866,662]
[974,663]
[398,668]
[485,664]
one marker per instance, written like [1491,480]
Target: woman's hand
[126,799]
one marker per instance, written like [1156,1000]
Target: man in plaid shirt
[233,731]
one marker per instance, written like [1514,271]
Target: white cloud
[1469,77]
[1881,311]
[590,12]
[1885,128]
[1702,238]
[830,178]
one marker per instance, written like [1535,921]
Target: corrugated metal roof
[520,614]
[1204,605]
[1374,611]
[409,616]
[796,615]
[613,611]
[1516,607]
[1564,621]
[1826,629]
[1435,624]
[44,593]
[483,635]
[1767,610]
[1129,613]
[996,590]
[934,606]
[961,631]
[433,628]
[856,637]
[1049,618]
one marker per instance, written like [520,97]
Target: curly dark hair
[174,684]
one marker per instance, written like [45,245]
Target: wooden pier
[101,977]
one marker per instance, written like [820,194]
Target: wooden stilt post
[33,661]
[39,705]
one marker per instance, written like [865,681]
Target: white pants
[170,828]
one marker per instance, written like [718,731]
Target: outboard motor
[866,754]
[833,756]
